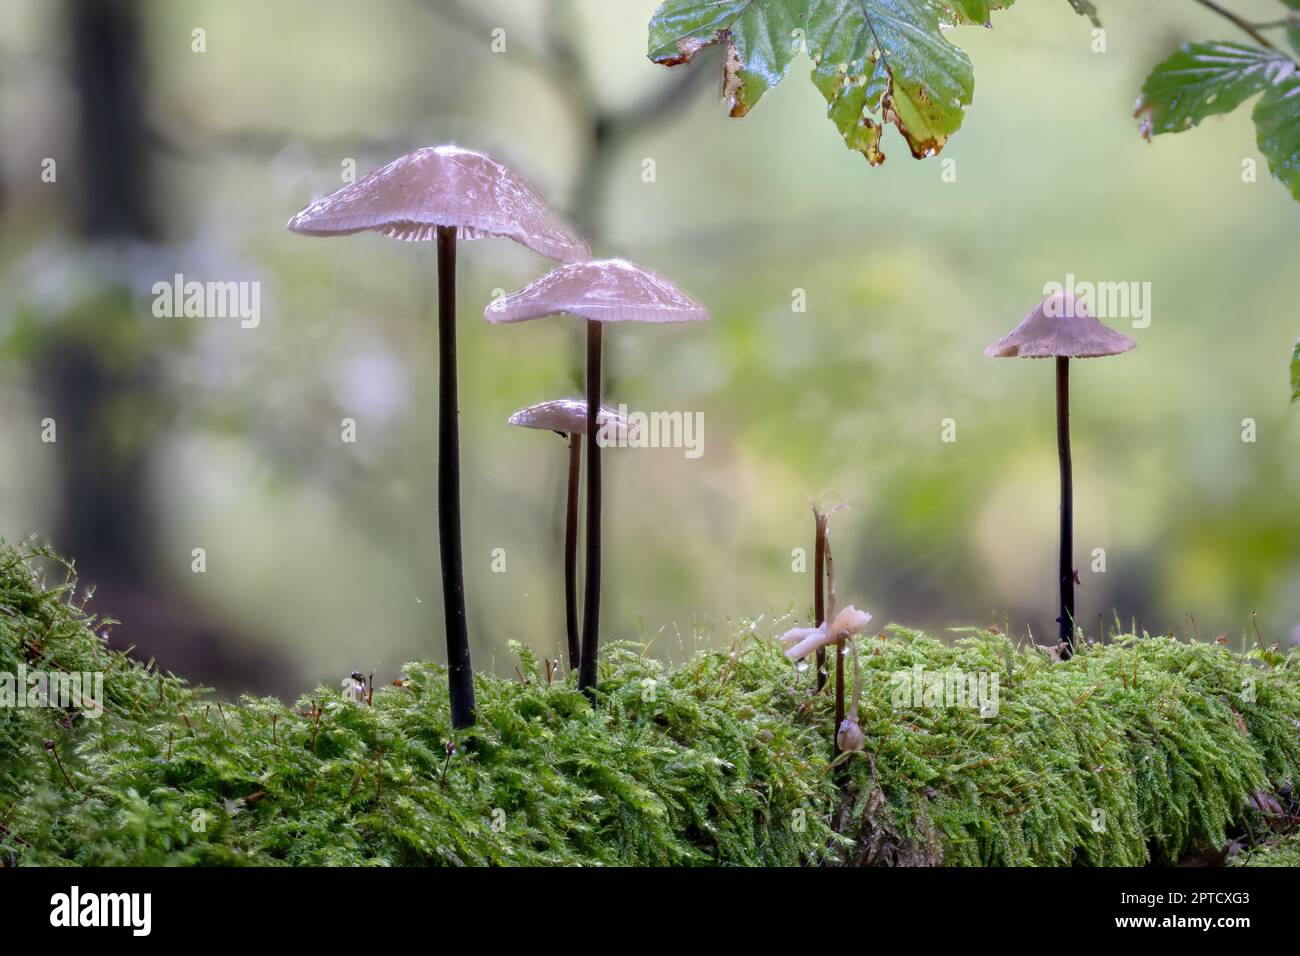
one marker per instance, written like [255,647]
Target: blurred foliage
[1295,372]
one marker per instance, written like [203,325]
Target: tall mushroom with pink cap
[567,417]
[438,194]
[1061,327]
[599,291]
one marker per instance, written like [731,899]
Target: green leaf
[1293,36]
[875,61]
[1086,8]
[967,11]
[885,61]
[976,12]
[761,37]
[1277,128]
[1203,79]
[1295,372]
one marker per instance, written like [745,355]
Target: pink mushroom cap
[569,416]
[443,186]
[1060,326]
[602,290]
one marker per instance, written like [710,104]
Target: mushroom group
[441,194]
[598,291]
[445,193]
[1060,327]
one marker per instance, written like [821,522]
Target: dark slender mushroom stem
[460,676]
[571,552]
[1067,506]
[591,606]
[819,592]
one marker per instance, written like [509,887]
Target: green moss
[1284,851]
[723,760]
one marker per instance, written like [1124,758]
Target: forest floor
[1141,751]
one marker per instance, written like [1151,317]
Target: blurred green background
[177,433]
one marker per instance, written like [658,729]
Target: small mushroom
[804,640]
[600,291]
[440,193]
[841,629]
[844,627]
[567,417]
[1061,327]
[849,738]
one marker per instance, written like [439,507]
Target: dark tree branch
[1242,24]
[559,66]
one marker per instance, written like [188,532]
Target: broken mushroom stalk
[441,194]
[1061,327]
[599,291]
[843,627]
[821,521]
[568,418]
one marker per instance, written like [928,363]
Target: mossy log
[1139,751]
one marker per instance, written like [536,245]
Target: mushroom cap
[569,416]
[603,290]
[1060,326]
[443,186]
[850,737]
[848,623]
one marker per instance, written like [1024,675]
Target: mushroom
[567,417]
[440,193]
[804,640]
[600,291]
[837,629]
[849,737]
[1061,326]
[843,628]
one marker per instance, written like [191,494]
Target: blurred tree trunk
[107,73]
[103,398]
[105,518]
